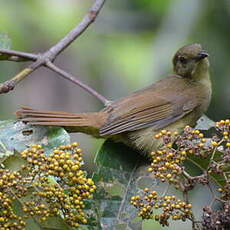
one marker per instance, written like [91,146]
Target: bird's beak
[202,55]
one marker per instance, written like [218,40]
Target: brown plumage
[171,103]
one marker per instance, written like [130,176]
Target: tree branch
[71,78]
[46,58]
[13,55]
[77,31]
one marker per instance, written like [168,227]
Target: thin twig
[50,54]
[185,195]
[71,78]
[215,197]
[213,154]
[186,175]
[77,31]
[14,55]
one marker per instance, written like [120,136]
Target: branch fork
[47,58]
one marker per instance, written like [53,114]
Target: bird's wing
[156,106]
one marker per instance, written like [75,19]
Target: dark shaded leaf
[121,174]
[199,164]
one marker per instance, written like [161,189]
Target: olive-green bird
[171,103]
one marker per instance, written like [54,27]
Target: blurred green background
[130,45]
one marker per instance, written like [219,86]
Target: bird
[171,103]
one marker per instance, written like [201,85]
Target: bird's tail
[88,123]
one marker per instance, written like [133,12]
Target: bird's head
[190,59]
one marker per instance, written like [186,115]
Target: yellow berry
[163,131]
[214,143]
[169,175]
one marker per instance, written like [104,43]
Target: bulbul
[171,103]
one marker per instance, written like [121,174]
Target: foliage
[168,166]
[66,196]
[49,189]
[41,189]
[119,176]
[155,27]
[171,206]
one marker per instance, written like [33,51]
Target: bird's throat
[201,72]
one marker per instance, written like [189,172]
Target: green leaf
[121,174]
[55,223]
[15,135]
[204,123]
[14,138]
[195,163]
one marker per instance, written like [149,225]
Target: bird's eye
[183,60]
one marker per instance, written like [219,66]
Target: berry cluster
[215,220]
[221,165]
[55,184]
[225,191]
[193,142]
[170,205]
[223,127]
[8,219]
[168,166]
[167,162]
[12,186]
